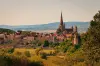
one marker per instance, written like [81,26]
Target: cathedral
[68,32]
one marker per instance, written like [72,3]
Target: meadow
[31,56]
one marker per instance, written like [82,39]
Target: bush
[35,64]
[46,43]
[43,55]
[27,53]
[11,50]
[11,60]
[39,44]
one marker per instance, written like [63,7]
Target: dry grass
[54,61]
[51,60]
[32,51]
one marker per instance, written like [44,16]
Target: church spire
[61,19]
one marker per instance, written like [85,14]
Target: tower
[75,35]
[61,19]
[61,26]
[75,29]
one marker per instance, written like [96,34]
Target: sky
[31,12]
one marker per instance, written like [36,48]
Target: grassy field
[50,61]
[32,51]
[54,61]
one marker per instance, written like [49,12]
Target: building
[68,32]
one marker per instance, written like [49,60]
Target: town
[72,36]
[26,38]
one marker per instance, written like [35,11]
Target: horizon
[46,23]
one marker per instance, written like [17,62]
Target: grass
[32,51]
[54,61]
[50,61]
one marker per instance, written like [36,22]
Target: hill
[82,26]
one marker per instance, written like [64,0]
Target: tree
[11,50]
[46,43]
[8,31]
[92,45]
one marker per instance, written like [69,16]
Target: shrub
[27,53]
[11,60]
[11,50]
[46,43]
[39,44]
[43,55]
[35,64]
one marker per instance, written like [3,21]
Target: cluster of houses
[60,35]
[19,38]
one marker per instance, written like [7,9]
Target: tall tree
[92,45]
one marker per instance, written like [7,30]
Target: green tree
[11,50]
[8,31]
[92,45]
[46,43]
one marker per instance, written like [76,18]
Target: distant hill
[82,26]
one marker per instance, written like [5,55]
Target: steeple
[61,19]
[61,26]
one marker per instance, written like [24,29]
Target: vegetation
[38,51]
[43,55]
[11,50]
[86,53]
[46,43]
[8,31]
[25,33]
[92,44]
[27,53]
[15,61]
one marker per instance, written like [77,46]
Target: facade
[68,32]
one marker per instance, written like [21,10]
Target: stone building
[68,32]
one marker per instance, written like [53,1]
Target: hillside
[82,26]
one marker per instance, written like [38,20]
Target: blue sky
[30,12]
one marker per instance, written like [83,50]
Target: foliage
[11,50]
[13,60]
[46,43]
[74,58]
[25,33]
[92,45]
[64,46]
[43,55]
[27,53]
[8,31]
[53,45]
[39,44]
[17,61]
